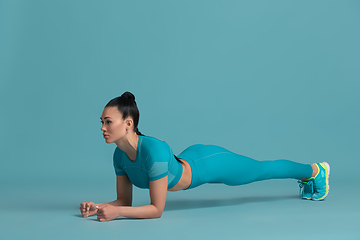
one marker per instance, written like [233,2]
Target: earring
[127,131]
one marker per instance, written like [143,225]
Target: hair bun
[129,96]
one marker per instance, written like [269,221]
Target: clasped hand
[105,212]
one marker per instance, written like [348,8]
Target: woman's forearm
[147,211]
[117,202]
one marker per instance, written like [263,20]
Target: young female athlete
[148,162]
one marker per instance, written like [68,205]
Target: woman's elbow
[157,216]
[158,213]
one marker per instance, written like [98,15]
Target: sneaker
[321,181]
[307,189]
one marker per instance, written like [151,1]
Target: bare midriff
[185,179]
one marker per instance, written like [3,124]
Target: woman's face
[113,126]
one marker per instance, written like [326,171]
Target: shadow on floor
[172,205]
[94,218]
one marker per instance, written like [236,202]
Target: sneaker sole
[326,166]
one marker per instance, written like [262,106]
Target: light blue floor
[266,79]
[263,210]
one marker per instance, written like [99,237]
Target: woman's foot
[307,188]
[321,181]
[314,172]
[317,186]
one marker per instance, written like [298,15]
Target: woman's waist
[185,179]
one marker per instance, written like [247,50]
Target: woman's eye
[108,122]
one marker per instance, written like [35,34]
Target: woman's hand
[107,212]
[87,209]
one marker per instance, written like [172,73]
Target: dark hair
[127,106]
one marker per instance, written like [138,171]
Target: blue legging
[214,164]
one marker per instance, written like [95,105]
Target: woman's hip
[205,161]
[197,152]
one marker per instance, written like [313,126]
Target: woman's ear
[129,122]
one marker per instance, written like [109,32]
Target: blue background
[265,79]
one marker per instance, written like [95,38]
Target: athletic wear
[209,164]
[154,160]
[321,181]
[307,189]
[214,164]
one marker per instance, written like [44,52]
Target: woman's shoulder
[147,145]
[150,142]
[151,139]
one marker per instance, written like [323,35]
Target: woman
[148,162]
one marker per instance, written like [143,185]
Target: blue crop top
[154,160]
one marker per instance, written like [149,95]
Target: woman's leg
[215,164]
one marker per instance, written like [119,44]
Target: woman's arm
[157,190]
[124,197]
[123,191]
